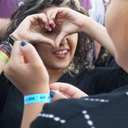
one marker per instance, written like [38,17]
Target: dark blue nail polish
[23,43]
[52,94]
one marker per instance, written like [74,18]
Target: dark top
[112,62]
[90,81]
[99,111]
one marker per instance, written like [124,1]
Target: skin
[115,21]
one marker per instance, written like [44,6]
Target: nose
[63,42]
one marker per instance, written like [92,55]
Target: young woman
[61,63]
[57,39]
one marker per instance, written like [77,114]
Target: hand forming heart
[32,27]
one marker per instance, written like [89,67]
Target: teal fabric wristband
[36,98]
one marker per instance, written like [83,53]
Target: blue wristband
[36,98]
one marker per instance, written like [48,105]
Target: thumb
[46,40]
[30,53]
[68,90]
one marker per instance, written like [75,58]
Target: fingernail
[52,94]
[23,43]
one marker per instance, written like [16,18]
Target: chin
[62,66]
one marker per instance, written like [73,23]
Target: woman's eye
[50,32]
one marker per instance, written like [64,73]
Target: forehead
[53,7]
[47,9]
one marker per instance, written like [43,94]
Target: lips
[61,54]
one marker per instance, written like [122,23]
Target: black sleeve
[101,111]
[108,79]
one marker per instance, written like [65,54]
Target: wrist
[86,26]
[16,36]
[37,90]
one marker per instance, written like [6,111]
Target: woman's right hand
[31,29]
[66,91]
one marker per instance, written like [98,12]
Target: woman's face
[57,58]
[116,20]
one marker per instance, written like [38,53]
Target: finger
[51,15]
[68,89]
[40,17]
[14,61]
[31,54]
[59,38]
[46,40]
[56,95]
[16,53]
[49,41]
[45,21]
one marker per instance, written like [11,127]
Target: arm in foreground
[21,71]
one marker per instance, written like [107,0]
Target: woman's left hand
[26,70]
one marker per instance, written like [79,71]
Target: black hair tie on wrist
[10,40]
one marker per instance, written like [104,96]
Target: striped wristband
[3,56]
[36,98]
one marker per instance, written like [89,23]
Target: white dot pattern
[126,93]
[84,111]
[96,100]
[57,119]
[51,116]
[87,117]
[90,122]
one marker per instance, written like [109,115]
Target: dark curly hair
[30,7]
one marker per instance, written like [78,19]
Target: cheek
[43,49]
[72,41]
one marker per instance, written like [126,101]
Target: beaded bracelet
[36,98]
[5,51]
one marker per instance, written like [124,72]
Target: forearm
[99,33]
[33,107]
[30,113]
[3,26]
